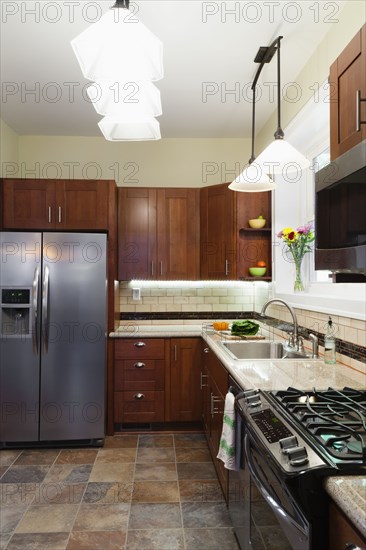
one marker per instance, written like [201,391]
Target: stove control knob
[253,400]
[288,443]
[298,456]
[249,393]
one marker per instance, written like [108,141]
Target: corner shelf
[253,230]
[248,278]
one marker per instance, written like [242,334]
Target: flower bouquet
[298,241]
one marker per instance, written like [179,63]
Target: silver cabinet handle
[49,214]
[214,410]
[139,344]
[175,352]
[226,267]
[161,268]
[358,106]
[139,365]
[202,377]
[35,311]
[152,269]
[138,396]
[59,214]
[206,350]
[45,294]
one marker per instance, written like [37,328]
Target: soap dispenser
[329,344]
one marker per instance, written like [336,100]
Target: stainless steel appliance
[290,440]
[53,320]
[340,205]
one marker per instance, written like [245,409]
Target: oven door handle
[281,514]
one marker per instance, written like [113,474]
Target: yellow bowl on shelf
[257,271]
[257,223]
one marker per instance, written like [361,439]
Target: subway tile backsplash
[239,299]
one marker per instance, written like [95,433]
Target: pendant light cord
[252,158]
[279,133]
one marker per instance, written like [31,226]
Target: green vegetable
[244,328]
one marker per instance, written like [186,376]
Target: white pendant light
[253,179]
[118,48]
[117,129]
[125,99]
[280,157]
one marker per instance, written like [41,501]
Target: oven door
[275,520]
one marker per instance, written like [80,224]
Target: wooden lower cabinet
[185,391]
[139,380]
[157,380]
[342,534]
[215,383]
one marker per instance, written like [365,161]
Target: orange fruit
[261,263]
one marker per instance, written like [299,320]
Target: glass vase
[298,284]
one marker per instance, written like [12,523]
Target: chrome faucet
[293,314]
[296,341]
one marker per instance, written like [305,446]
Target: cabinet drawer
[133,375]
[129,408]
[140,348]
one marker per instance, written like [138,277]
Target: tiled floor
[138,492]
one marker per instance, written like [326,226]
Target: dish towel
[227,451]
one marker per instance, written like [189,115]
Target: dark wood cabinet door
[185,390]
[137,233]
[28,204]
[178,234]
[218,248]
[347,86]
[82,204]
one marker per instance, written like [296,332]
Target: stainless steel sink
[260,350]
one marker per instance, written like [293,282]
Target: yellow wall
[8,148]
[164,163]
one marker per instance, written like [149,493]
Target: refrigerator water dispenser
[15,311]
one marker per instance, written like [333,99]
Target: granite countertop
[134,329]
[349,492]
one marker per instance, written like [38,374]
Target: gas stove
[334,420]
[304,430]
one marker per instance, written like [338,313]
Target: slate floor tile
[25,474]
[8,456]
[102,517]
[155,516]
[156,440]
[155,539]
[210,539]
[121,441]
[10,516]
[116,455]
[200,491]
[77,456]
[68,473]
[37,456]
[97,540]
[193,455]
[154,454]
[114,472]
[205,514]
[108,492]
[58,518]
[190,440]
[155,491]
[158,472]
[196,470]
[38,541]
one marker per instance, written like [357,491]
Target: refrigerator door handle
[45,289]
[35,311]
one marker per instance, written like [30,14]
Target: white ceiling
[201,49]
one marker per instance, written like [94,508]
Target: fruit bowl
[257,223]
[257,271]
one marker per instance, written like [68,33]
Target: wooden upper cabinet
[347,87]
[218,226]
[28,204]
[55,204]
[178,234]
[82,204]
[158,233]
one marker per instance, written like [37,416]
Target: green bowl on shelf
[257,223]
[257,271]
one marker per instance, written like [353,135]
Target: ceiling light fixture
[123,58]
[280,156]
[119,48]
[253,178]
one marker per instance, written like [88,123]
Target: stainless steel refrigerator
[53,322]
